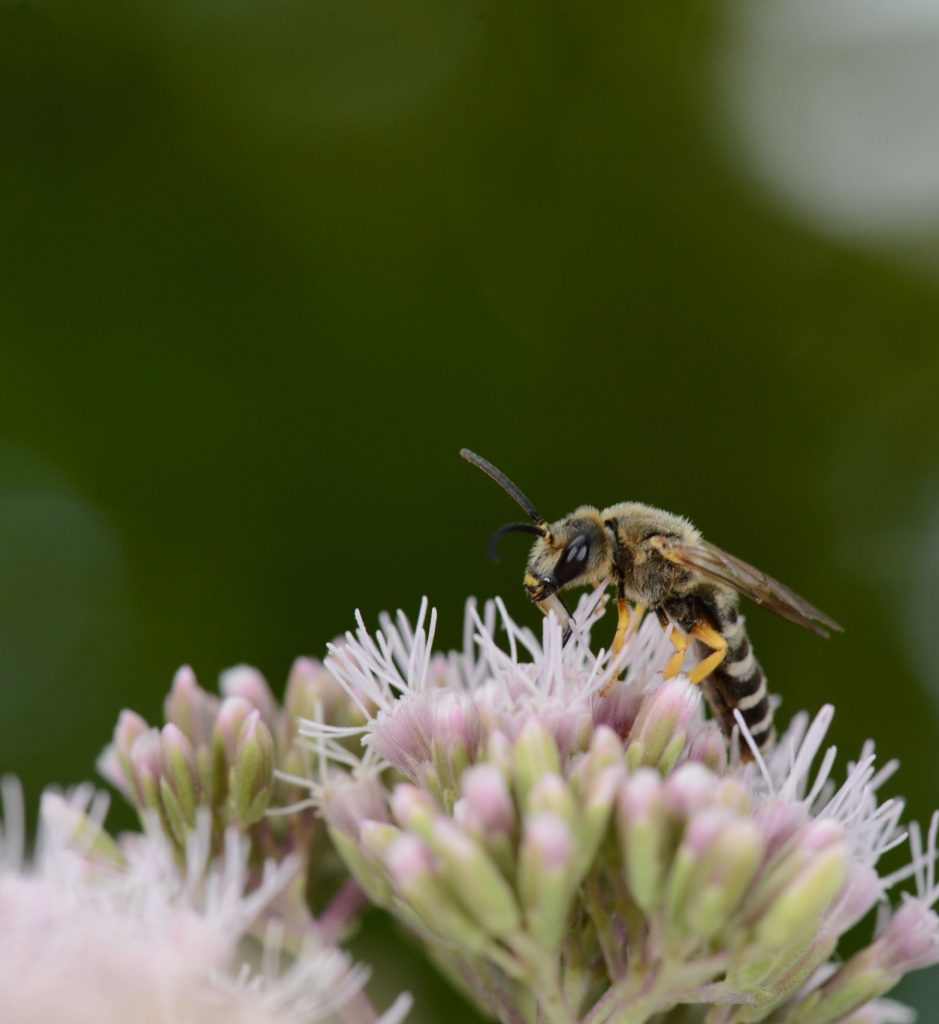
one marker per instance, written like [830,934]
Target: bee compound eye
[573,560]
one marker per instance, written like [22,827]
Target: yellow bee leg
[639,611]
[680,643]
[710,638]
[622,624]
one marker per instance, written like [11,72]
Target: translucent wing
[709,560]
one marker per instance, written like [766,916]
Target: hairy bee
[659,561]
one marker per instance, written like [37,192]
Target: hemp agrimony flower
[574,857]
[232,757]
[98,932]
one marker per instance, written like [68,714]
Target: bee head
[572,552]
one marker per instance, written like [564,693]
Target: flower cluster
[571,852]
[96,932]
[230,756]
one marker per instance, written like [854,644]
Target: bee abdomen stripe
[742,686]
[757,697]
[736,652]
[733,631]
[742,668]
[764,723]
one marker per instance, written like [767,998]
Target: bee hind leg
[710,637]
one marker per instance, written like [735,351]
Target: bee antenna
[506,484]
[509,528]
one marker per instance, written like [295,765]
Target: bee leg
[674,663]
[622,622]
[710,638]
[619,637]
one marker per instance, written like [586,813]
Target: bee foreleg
[625,619]
[622,624]
[710,638]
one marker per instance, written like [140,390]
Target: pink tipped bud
[708,747]
[147,766]
[180,787]
[689,788]
[347,803]
[247,682]
[660,731]
[548,838]
[413,809]
[251,777]
[487,804]
[190,708]
[409,862]
[115,762]
[228,725]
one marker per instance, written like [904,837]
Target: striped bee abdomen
[738,682]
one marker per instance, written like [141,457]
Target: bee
[659,562]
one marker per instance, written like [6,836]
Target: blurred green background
[266,266]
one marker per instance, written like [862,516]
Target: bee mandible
[660,562]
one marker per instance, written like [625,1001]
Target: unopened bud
[643,837]
[247,682]
[180,790]
[413,809]
[805,897]
[545,881]
[708,747]
[909,942]
[472,875]
[416,878]
[116,761]
[251,776]
[147,766]
[689,788]
[487,804]
[190,708]
[595,814]
[534,755]
[455,740]
[347,803]
[713,867]
[659,733]
[364,856]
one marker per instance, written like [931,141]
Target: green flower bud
[417,880]
[129,726]
[660,731]
[477,882]
[251,777]
[190,708]
[804,882]
[712,869]
[534,755]
[364,858]
[643,832]
[545,882]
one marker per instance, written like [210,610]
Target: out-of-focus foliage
[266,266]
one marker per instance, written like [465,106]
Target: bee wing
[710,560]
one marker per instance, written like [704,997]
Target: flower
[575,856]
[236,758]
[94,932]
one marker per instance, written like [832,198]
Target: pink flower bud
[487,804]
[247,682]
[190,708]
